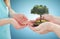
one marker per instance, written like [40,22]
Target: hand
[21,19]
[31,22]
[16,24]
[48,17]
[44,28]
[51,18]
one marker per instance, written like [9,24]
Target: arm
[10,21]
[13,20]
[12,12]
[4,21]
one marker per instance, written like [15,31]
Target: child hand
[20,19]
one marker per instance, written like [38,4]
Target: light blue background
[25,6]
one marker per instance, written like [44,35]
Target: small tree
[40,10]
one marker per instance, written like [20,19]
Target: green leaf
[39,9]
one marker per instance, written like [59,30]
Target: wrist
[9,8]
[12,12]
[11,20]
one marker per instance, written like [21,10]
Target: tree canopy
[39,9]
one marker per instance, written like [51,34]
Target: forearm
[56,29]
[12,12]
[5,21]
[7,2]
[10,21]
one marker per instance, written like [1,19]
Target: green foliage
[39,9]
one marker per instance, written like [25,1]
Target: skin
[47,27]
[53,25]
[17,20]
[10,21]
[51,18]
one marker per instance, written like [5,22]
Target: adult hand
[50,18]
[43,28]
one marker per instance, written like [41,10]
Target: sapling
[40,10]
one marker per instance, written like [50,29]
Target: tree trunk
[40,18]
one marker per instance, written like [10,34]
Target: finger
[23,17]
[46,17]
[38,30]
[25,23]
[20,20]
[16,24]
[29,23]
[33,28]
[32,21]
[43,32]
[20,17]
[19,26]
